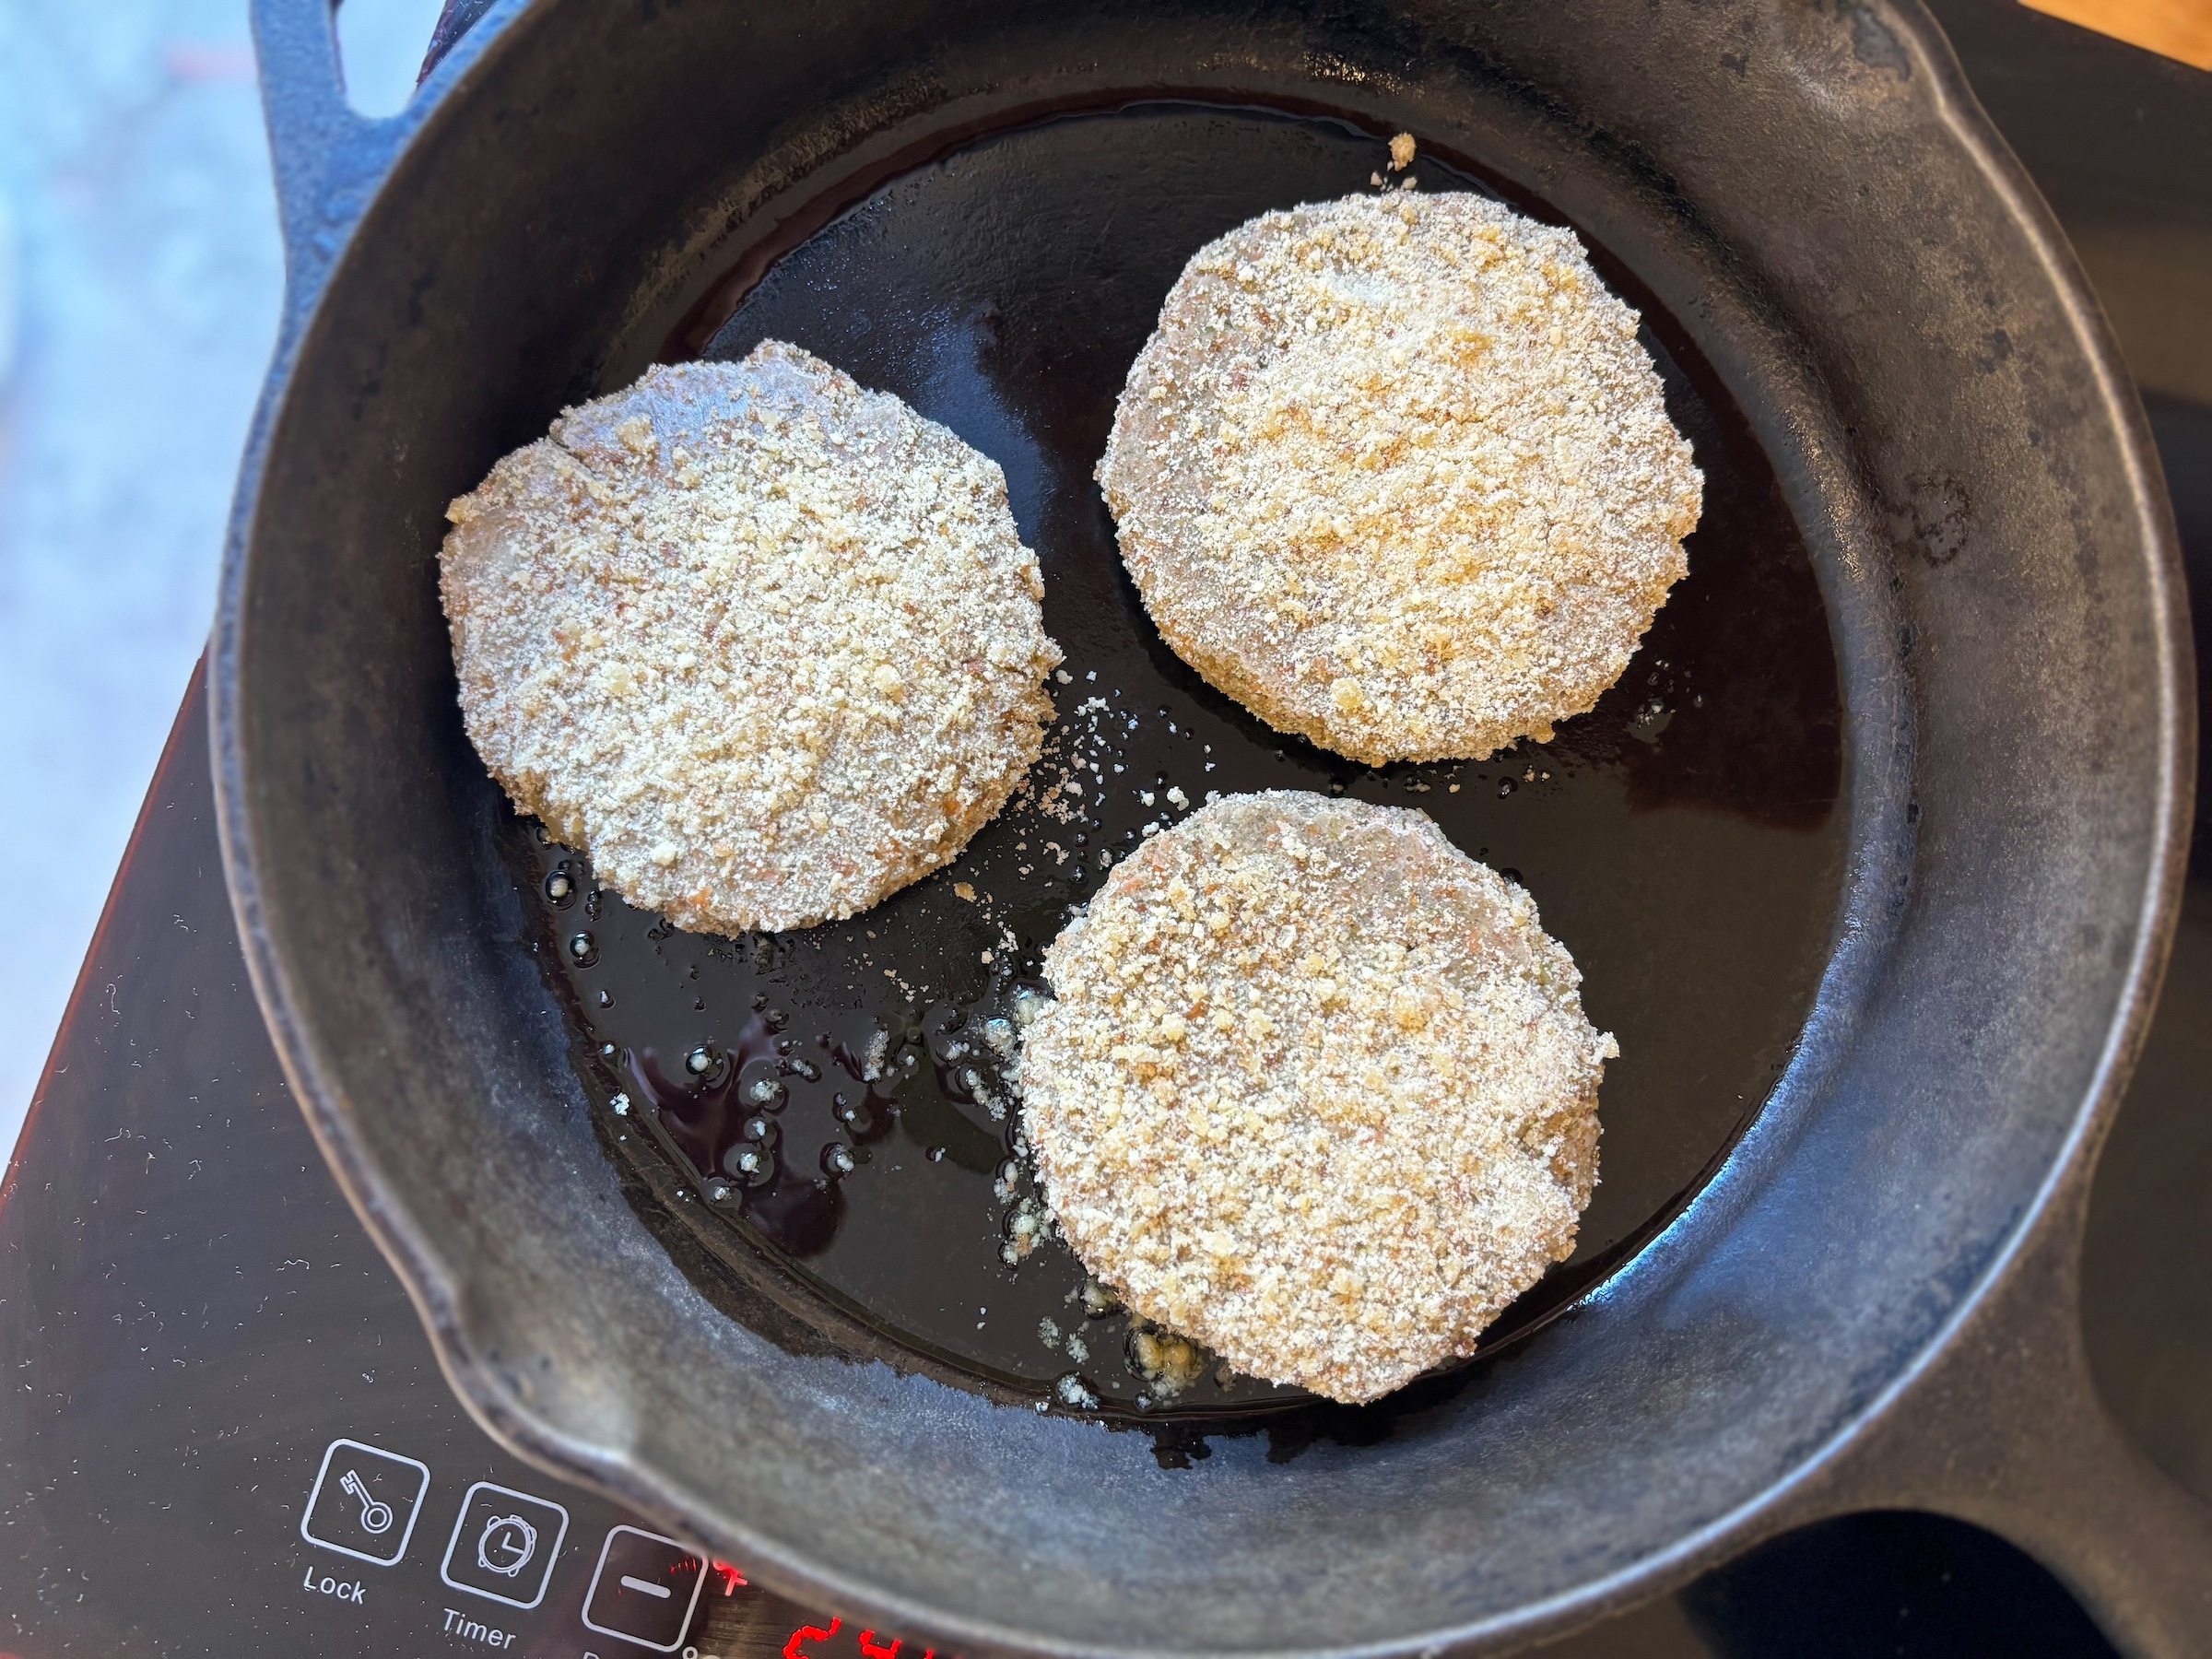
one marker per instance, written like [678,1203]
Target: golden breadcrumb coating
[1317,1091]
[765,644]
[1395,473]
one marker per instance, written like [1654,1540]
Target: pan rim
[438,1299]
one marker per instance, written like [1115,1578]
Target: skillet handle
[2005,1430]
[328,159]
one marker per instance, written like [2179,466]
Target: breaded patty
[1395,473]
[764,643]
[1317,1091]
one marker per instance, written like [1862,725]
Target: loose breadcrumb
[1317,1091]
[1395,473]
[765,644]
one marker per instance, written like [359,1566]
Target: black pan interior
[1811,190]
[1686,841]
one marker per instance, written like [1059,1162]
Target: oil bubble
[583,949]
[759,1088]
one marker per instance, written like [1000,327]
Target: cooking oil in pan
[844,1100]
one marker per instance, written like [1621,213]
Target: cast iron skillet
[1870,1303]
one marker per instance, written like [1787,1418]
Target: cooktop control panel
[222,1430]
[393,1553]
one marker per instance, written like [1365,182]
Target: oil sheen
[842,1099]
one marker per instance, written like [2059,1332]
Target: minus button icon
[646,1587]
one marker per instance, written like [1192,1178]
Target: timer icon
[506,1544]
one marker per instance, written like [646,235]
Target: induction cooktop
[222,1429]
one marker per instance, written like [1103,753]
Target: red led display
[796,1647]
[814,1642]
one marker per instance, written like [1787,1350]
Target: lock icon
[364,1502]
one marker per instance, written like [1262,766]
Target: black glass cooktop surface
[222,1430]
